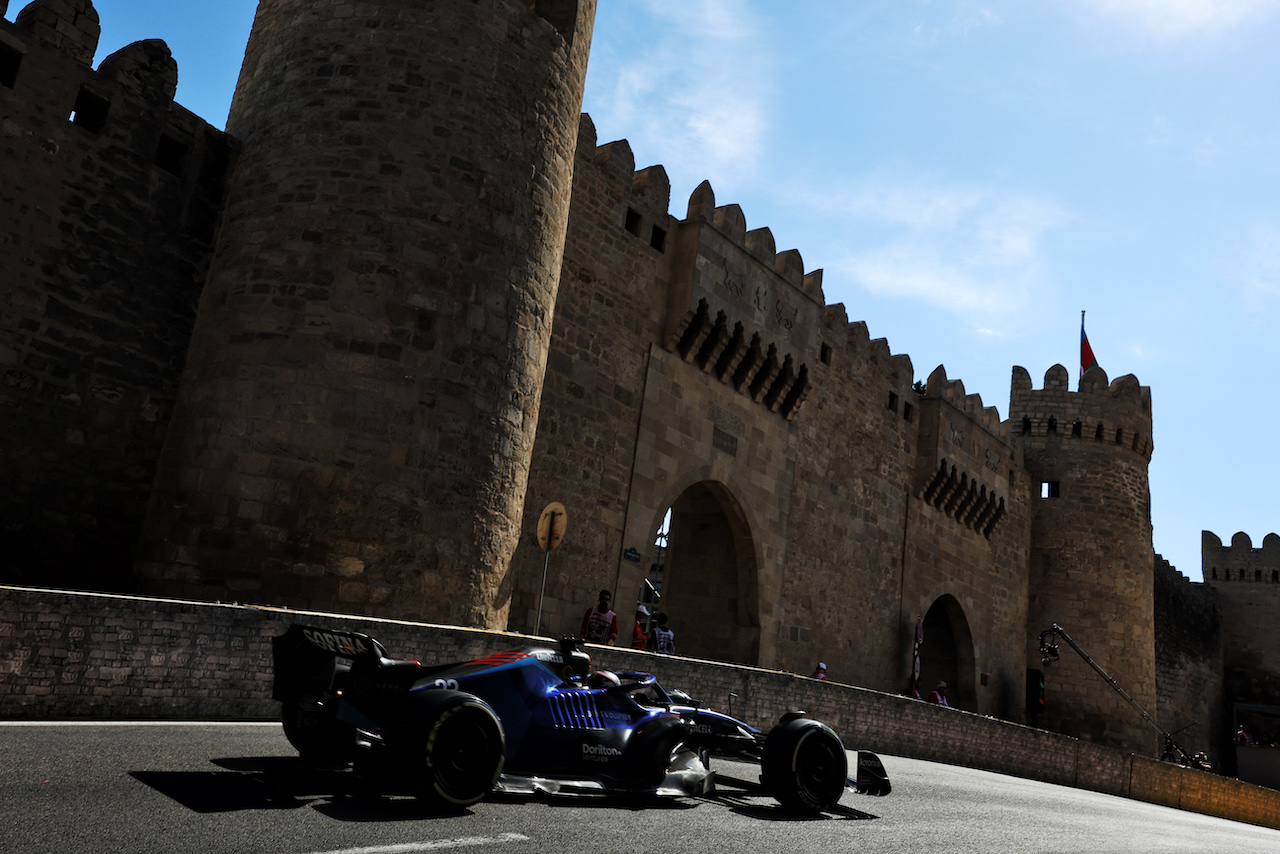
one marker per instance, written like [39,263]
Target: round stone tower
[358,406]
[1091,563]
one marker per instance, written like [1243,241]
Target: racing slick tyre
[458,752]
[804,765]
[312,727]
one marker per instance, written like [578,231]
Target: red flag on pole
[1087,359]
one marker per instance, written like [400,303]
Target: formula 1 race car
[532,720]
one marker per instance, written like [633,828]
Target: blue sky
[970,176]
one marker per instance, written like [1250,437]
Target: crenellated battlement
[122,114]
[1240,562]
[1117,413]
[641,198]
[70,26]
[953,391]
[738,308]
[965,458]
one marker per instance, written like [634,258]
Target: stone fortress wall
[366,364]
[1246,585]
[696,367]
[403,273]
[1189,663]
[109,200]
[1087,452]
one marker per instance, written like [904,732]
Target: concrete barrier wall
[76,655]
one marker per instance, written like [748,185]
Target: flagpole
[1081,377]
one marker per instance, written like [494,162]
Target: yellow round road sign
[551,525]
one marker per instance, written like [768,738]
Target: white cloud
[700,95]
[950,20]
[976,252]
[1177,19]
[911,204]
[1256,268]
[909,269]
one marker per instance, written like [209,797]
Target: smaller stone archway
[711,586]
[946,653]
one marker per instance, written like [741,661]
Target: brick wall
[76,655]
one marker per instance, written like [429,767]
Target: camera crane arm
[1049,654]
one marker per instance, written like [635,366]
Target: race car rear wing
[311,660]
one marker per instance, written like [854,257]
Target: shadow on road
[275,783]
[748,798]
[282,782]
[285,783]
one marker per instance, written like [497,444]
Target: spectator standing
[938,696]
[600,623]
[639,638]
[820,672]
[661,638]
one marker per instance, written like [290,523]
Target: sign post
[551,525]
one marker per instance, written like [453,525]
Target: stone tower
[1091,558]
[361,391]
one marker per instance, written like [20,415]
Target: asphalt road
[90,788]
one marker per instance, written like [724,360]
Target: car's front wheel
[804,765]
[458,751]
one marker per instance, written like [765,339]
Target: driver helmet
[604,679]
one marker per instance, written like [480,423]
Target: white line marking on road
[432,845]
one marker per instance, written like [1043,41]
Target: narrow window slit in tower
[658,238]
[633,221]
[90,111]
[171,154]
[10,59]
[1076,427]
[1049,489]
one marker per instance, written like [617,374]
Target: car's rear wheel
[314,730]
[804,765]
[459,754]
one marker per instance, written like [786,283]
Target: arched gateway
[946,653]
[710,588]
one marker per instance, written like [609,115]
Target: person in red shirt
[600,623]
[820,672]
[638,635]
